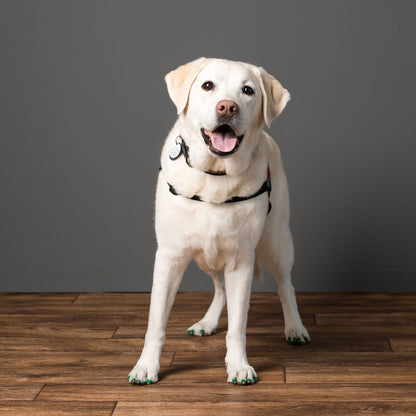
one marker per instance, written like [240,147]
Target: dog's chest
[219,238]
[217,244]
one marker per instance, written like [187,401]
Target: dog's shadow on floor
[178,370]
[214,361]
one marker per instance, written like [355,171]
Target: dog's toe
[201,329]
[242,376]
[297,336]
[142,375]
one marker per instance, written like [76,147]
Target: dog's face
[224,104]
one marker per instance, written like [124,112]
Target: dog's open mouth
[222,141]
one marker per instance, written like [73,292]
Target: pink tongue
[224,142]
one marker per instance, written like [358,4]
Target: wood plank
[25,360]
[56,331]
[302,358]
[136,331]
[16,299]
[113,298]
[336,308]
[208,392]
[318,408]
[278,343]
[403,344]
[339,302]
[104,320]
[358,330]
[366,319]
[363,330]
[137,299]
[36,408]
[131,326]
[60,309]
[344,374]
[335,343]
[68,374]
[356,298]
[117,374]
[116,345]
[275,318]
[273,343]
[39,344]
[187,343]
[329,299]
[13,391]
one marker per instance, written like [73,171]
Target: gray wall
[84,112]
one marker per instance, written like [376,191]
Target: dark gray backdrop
[84,112]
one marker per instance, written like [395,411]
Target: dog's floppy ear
[275,97]
[180,80]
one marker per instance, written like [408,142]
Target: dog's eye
[248,90]
[208,86]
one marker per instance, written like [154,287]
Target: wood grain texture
[14,391]
[208,392]
[71,353]
[403,344]
[318,408]
[369,375]
[39,408]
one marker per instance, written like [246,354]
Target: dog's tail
[258,269]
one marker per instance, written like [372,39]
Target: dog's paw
[142,374]
[297,335]
[202,328]
[244,375]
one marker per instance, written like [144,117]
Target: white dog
[221,200]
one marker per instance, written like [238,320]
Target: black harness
[180,148]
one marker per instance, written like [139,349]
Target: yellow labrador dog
[221,200]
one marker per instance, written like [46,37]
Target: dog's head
[225,103]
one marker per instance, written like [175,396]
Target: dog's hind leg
[208,324]
[278,255]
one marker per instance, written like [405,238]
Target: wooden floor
[70,354]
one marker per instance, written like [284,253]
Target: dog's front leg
[238,289]
[168,273]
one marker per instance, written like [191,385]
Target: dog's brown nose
[227,108]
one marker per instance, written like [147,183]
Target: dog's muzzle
[223,141]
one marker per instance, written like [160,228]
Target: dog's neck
[190,181]
[181,149]
[201,159]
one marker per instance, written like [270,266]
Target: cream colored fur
[230,242]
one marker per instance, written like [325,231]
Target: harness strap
[265,187]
